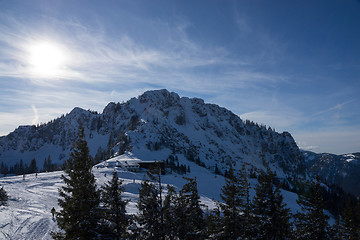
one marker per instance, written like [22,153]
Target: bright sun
[46,58]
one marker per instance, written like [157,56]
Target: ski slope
[27,215]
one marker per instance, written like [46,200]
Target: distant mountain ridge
[154,126]
[341,170]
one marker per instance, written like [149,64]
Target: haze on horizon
[292,65]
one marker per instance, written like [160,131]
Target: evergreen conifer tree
[149,212]
[246,217]
[47,166]
[19,168]
[114,209]
[4,169]
[357,216]
[235,195]
[233,202]
[33,166]
[79,199]
[336,231]
[271,216]
[312,223]
[349,224]
[169,213]
[157,215]
[214,224]
[189,215]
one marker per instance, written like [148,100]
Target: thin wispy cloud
[336,107]
[36,115]
[95,57]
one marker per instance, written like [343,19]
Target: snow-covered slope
[27,215]
[53,139]
[206,134]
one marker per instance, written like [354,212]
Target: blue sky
[292,65]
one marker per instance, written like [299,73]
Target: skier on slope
[53,211]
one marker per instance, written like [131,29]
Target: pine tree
[336,231]
[349,224]
[236,207]
[79,199]
[217,171]
[157,215]
[33,166]
[312,223]
[3,196]
[280,219]
[48,166]
[45,165]
[271,216]
[189,215]
[214,224]
[149,211]
[169,213]
[232,196]
[357,216]
[19,168]
[114,213]
[4,169]
[246,217]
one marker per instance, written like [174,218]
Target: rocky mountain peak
[78,112]
[157,125]
[160,97]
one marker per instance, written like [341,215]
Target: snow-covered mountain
[341,170]
[154,126]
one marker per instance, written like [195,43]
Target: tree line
[21,168]
[91,213]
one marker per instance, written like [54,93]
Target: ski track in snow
[27,215]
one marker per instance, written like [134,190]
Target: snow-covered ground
[27,215]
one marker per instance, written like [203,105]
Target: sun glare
[46,59]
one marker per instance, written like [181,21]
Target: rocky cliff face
[154,126]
